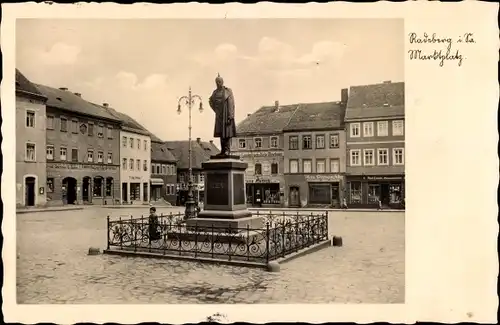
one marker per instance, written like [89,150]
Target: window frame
[109,157]
[319,136]
[61,119]
[371,127]
[53,122]
[74,126]
[102,157]
[100,127]
[60,153]
[386,123]
[88,156]
[333,136]
[304,164]
[402,127]
[277,168]
[109,131]
[387,156]
[240,142]
[337,160]
[305,136]
[131,163]
[28,111]
[255,168]
[351,129]
[255,143]
[124,163]
[290,166]
[351,151]
[26,152]
[291,139]
[321,160]
[373,156]
[53,151]
[271,138]
[90,129]
[77,155]
[394,156]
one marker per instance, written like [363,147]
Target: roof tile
[266,120]
[329,115]
[24,85]
[160,152]
[201,152]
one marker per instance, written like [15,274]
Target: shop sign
[134,177]
[262,180]
[382,178]
[82,166]
[323,178]
[261,154]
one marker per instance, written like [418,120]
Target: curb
[322,210]
[48,210]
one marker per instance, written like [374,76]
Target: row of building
[318,154]
[72,151]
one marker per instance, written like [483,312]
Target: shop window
[50,185]
[271,194]
[395,193]
[98,186]
[373,193]
[109,186]
[355,189]
[320,193]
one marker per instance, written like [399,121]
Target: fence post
[133,226]
[267,242]
[327,227]
[179,231]
[107,235]
[230,238]
[283,239]
[248,240]
[121,234]
[196,239]
[212,241]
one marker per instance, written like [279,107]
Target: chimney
[78,94]
[248,115]
[63,88]
[344,95]
[198,140]
[276,105]
[387,82]
[105,104]
[211,141]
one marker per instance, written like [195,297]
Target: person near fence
[154,233]
[343,205]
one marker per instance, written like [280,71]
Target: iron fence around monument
[167,235]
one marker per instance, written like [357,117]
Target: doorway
[335,195]
[69,190]
[294,196]
[29,187]
[124,192]
[86,189]
[384,194]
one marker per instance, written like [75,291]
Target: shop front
[312,190]
[367,190]
[264,191]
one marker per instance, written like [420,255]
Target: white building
[135,159]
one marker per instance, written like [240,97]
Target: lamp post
[189,101]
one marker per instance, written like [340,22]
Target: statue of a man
[222,103]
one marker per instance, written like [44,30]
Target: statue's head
[219,81]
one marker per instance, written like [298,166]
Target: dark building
[376,145]
[82,150]
[163,172]
[201,152]
[315,154]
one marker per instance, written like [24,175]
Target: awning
[157,181]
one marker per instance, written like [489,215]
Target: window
[294,166]
[30,152]
[145,165]
[138,143]
[131,164]
[334,141]
[181,178]
[355,192]
[91,129]
[320,166]
[258,142]
[50,185]
[355,159]
[274,142]
[109,186]
[398,156]
[173,170]
[202,178]
[97,186]
[158,169]
[334,166]
[373,193]
[74,155]
[368,129]
[242,144]
[124,163]
[354,130]
[90,155]
[110,132]
[74,126]
[258,169]
[293,143]
[382,128]
[138,164]
[50,152]
[50,122]
[100,131]
[397,127]
[369,157]
[164,169]
[64,124]
[383,158]
[152,168]
[145,145]
[110,158]
[306,166]
[30,119]
[100,156]
[124,142]
[131,142]
[320,142]
[306,142]
[274,168]
[63,154]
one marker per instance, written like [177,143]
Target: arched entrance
[29,191]
[69,190]
[86,189]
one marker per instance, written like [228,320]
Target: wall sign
[380,178]
[261,154]
[262,180]
[134,177]
[323,178]
[81,166]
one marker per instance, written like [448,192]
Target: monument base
[242,220]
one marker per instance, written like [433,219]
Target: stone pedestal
[225,208]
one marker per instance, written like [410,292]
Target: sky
[141,67]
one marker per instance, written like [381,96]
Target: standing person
[379,204]
[258,198]
[154,233]
[343,205]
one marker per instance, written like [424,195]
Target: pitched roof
[266,120]
[160,152]
[23,85]
[329,115]
[180,149]
[379,100]
[154,138]
[128,123]
[66,100]
[210,147]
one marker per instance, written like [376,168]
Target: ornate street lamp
[189,101]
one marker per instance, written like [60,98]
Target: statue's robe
[222,103]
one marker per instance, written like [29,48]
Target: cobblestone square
[53,266]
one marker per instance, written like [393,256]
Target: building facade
[82,150]
[31,172]
[376,145]
[315,155]
[260,143]
[163,173]
[135,158]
